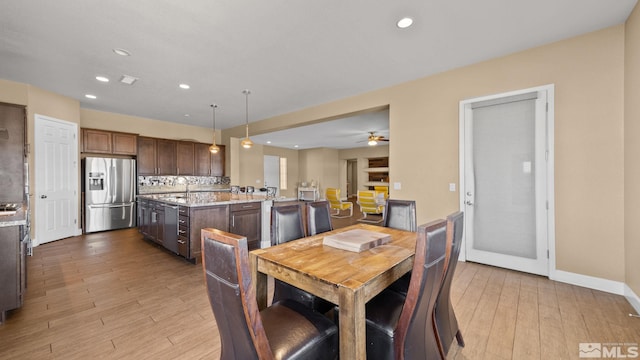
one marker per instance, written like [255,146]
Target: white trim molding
[632,298]
[610,286]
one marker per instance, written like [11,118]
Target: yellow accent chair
[382,189]
[371,202]
[336,203]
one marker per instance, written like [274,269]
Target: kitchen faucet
[186,181]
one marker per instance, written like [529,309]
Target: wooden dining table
[346,278]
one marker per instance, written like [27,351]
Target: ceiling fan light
[372,142]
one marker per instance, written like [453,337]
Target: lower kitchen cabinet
[216,217]
[170,228]
[12,268]
[246,219]
[178,228]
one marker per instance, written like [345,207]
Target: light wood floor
[113,295]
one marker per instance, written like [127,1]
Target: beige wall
[632,151]
[588,75]
[94,119]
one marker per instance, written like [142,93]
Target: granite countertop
[205,198]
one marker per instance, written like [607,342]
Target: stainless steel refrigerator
[109,193]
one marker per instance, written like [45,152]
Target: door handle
[468,202]
[43,196]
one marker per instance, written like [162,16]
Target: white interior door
[56,174]
[272,171]
[504,180]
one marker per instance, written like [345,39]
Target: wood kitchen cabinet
[185,158]
[146,156]
[166,157]
[206,163]
[246,219]
[144,217]
[179,228]
[156,156]
[108,142]
[217,162]
[156,224]
[200,218]
[170,157]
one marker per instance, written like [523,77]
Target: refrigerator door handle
[111,206]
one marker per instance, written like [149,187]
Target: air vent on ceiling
[128,79]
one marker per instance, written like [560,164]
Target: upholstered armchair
[336,203]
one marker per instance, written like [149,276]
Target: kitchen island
[175,220]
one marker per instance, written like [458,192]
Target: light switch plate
[452,186]
[397,186]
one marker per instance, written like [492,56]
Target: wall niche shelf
[378,172]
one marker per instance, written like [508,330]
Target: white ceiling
[291,54]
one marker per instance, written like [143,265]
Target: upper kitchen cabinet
[156,156]
[185,158]
[108,142]
[217,162]
[206,163]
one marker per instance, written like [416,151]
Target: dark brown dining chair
[318,217]
[400,214]
[285,330]
[400,327]
[287,225]
[446,322]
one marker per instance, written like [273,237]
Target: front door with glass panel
[504,180]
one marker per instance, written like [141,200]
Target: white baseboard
[610,286]
[632,298]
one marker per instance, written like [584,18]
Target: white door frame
[38,166]
[550,165]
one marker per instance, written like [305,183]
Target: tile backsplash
[170,183]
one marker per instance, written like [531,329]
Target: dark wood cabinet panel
[205,217]
[202,159]
[108,142]
[171,157]
[146,156]
[96,141]
[246,220]
[217,162]
[124,144]
[166,156]
[179,230]
[185,158]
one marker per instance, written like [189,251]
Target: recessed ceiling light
[121,52]
[186,115]
[184,86]
[102,78]
[128,79]
[404,22]
[89,96]
[269,142]
[295,146]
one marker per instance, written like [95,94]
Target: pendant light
[247,143]
[214,148]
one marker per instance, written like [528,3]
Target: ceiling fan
[373,138]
